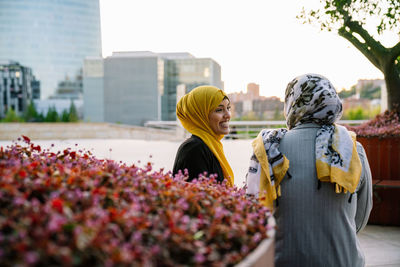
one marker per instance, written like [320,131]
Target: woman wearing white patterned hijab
[316,178]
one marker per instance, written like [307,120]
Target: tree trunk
[392,79]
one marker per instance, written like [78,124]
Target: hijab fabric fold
[193,110]
[309,98]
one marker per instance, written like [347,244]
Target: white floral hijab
[309,98]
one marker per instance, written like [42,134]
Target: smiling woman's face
[219,118]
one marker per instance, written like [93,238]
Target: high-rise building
[52,37]
[135,87]
[17,87]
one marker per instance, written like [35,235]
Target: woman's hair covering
[311,98]
[193,111]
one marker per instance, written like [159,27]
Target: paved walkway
[380,244]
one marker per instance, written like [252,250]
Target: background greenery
[32,115]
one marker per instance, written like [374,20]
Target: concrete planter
[264,254]
[384,160]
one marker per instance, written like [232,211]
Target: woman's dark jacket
[195,156]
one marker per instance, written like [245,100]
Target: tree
[370,91]
[73,113]
[52,115]
[347,93]
[11,116]
[65,116]
[31,113]
[361,22]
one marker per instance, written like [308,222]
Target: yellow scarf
[193,110]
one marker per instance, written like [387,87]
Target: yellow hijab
[193,110]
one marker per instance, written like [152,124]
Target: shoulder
[365,171]
[360,149]
[193,142]
[361,153]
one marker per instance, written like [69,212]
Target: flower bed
[383,125]
[69,208]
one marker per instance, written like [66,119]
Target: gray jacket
[317,227]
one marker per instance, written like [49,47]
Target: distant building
[253,90]
[267,107]
[251,102]
[185,69]
[375,83]
[70,88]
[93,90]
[135,87]
[364,82]
[17,87]
[132,88]
[350,103]
[252,93]
[51,36]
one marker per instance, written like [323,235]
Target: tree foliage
[361,22]
[347,93]
[11,116]
[52,115]
[368,91]
[73,113]
[31,113]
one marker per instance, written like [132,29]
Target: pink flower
[199,258]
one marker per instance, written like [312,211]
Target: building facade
[93,93]
[70,88]
[135,87]
[183,69]
[52,37]
[17,88]
[132,88]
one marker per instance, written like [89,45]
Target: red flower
[37,148]
[22,174]
[34,164]
[57,204]
[26,139]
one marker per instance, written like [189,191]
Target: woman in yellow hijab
[205,113]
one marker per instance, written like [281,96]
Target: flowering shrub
[71,209]
[383,125]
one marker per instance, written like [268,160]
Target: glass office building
[52,37]
[183,72]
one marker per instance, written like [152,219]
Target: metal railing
[241,129]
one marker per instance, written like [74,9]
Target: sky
[254,41]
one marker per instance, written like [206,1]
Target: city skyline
[253,43]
